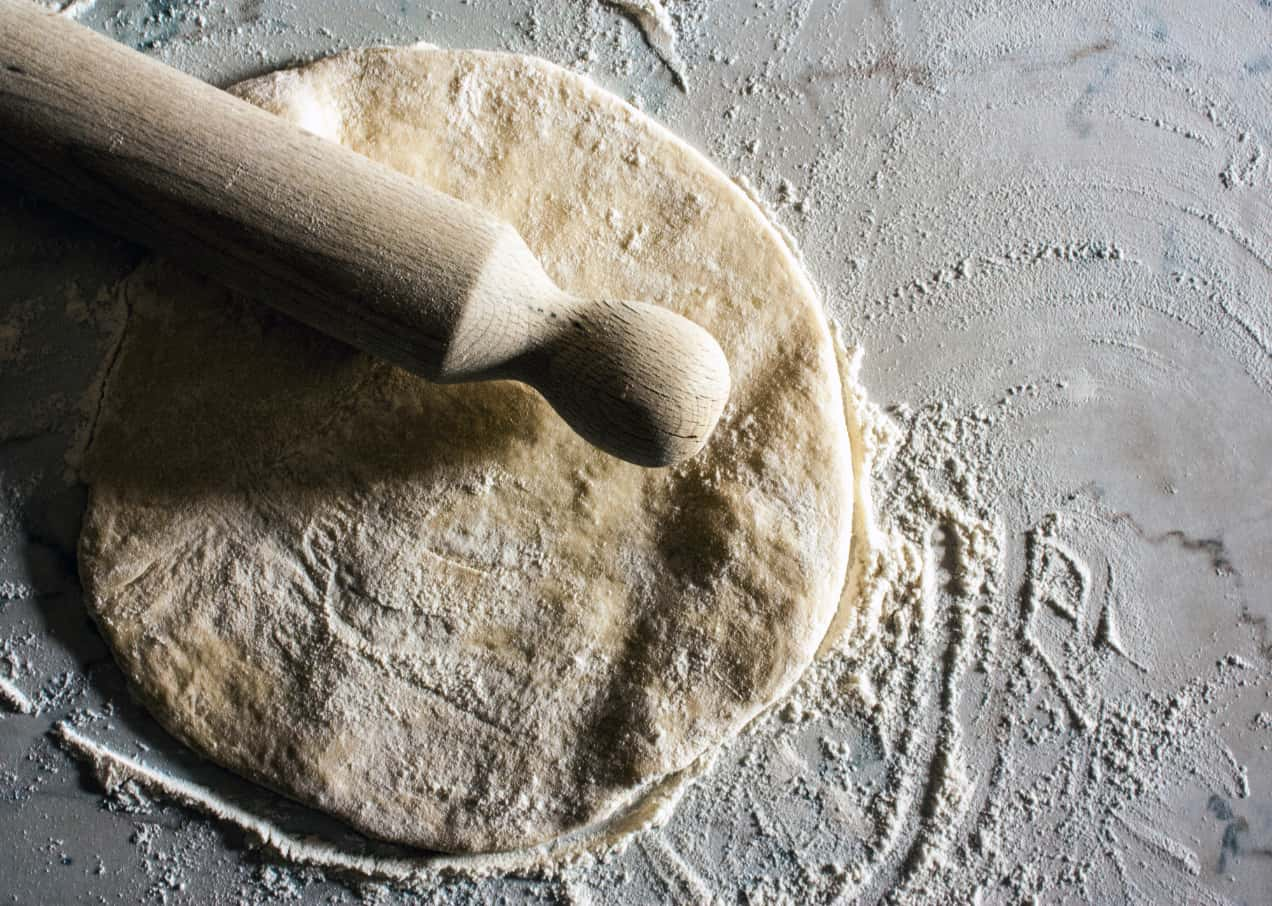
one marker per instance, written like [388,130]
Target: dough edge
[650,804]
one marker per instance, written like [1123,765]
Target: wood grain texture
[339,242]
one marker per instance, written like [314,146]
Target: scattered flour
[14,698]
[130,780]
[659,30]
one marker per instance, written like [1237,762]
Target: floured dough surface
[435,611]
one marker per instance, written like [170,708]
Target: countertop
[1047,226]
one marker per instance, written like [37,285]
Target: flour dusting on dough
[515,636]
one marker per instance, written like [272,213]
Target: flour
[655,22]
[75,8]
[14,698]
[128,780]
[934,628]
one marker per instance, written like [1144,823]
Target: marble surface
[1116,323]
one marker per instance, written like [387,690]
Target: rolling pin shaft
[352,248]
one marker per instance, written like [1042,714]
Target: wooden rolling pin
[337,241]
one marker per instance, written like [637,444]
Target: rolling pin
[337,241]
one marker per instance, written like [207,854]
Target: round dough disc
[434,611]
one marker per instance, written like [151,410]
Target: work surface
[1046,225]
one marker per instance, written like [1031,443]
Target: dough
[434,611]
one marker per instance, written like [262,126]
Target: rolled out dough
[434,611]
